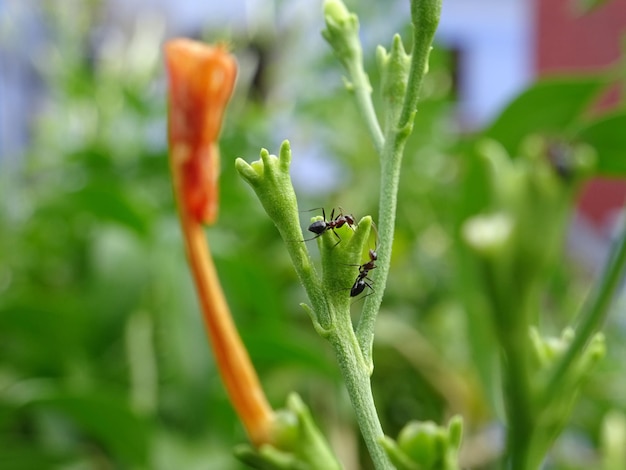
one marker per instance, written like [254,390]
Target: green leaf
[18,455]
[608,136]
[110,203]
[106,417]
[549,106]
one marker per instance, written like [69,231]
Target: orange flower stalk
[201,80]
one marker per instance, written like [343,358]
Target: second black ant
[319,227]
[361,280]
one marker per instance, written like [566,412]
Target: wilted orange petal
[201,81]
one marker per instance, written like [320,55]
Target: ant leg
[366,295]
[338,238]
[377,237]
[312,238]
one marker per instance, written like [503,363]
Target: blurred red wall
[565,41]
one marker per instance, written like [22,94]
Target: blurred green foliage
[103,360]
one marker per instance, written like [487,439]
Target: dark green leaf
[17,455]
[548,107]
[107,418]
[110,203]
[608,136]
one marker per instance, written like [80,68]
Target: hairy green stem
[355,372]
[338,265]
[270,179]
[363,95]
[342,33]
[593,314]
[354,351]
[388,201]
[425,16]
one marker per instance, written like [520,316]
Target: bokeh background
[103,359]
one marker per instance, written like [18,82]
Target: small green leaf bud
[426,446]
[342,32]
[297,443]
[394,67]
[423,442]
[614,440]
[285,431]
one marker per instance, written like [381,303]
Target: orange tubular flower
[201,83]
[201,80]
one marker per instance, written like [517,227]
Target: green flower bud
[297,443]
[426,446]
[614,440]
[394,69]
[423,442]
[547,350]
[270,179]
[285,431]
[342,32]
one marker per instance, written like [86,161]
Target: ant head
[373,255]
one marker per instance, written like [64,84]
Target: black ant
[320,226]
[361,279]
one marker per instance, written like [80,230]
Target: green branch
[330,312]
[342,33]
[356,375]
[425,17]
[593,314]
[269,177]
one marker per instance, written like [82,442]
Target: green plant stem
[363,94]
[425,15]
[354,352]
[356,374]
[270,179]
[338,261]
[520,415]
[391,160]
[520,412]
[511,321]
[342,33]
[593,314]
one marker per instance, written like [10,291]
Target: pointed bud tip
[336,11]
